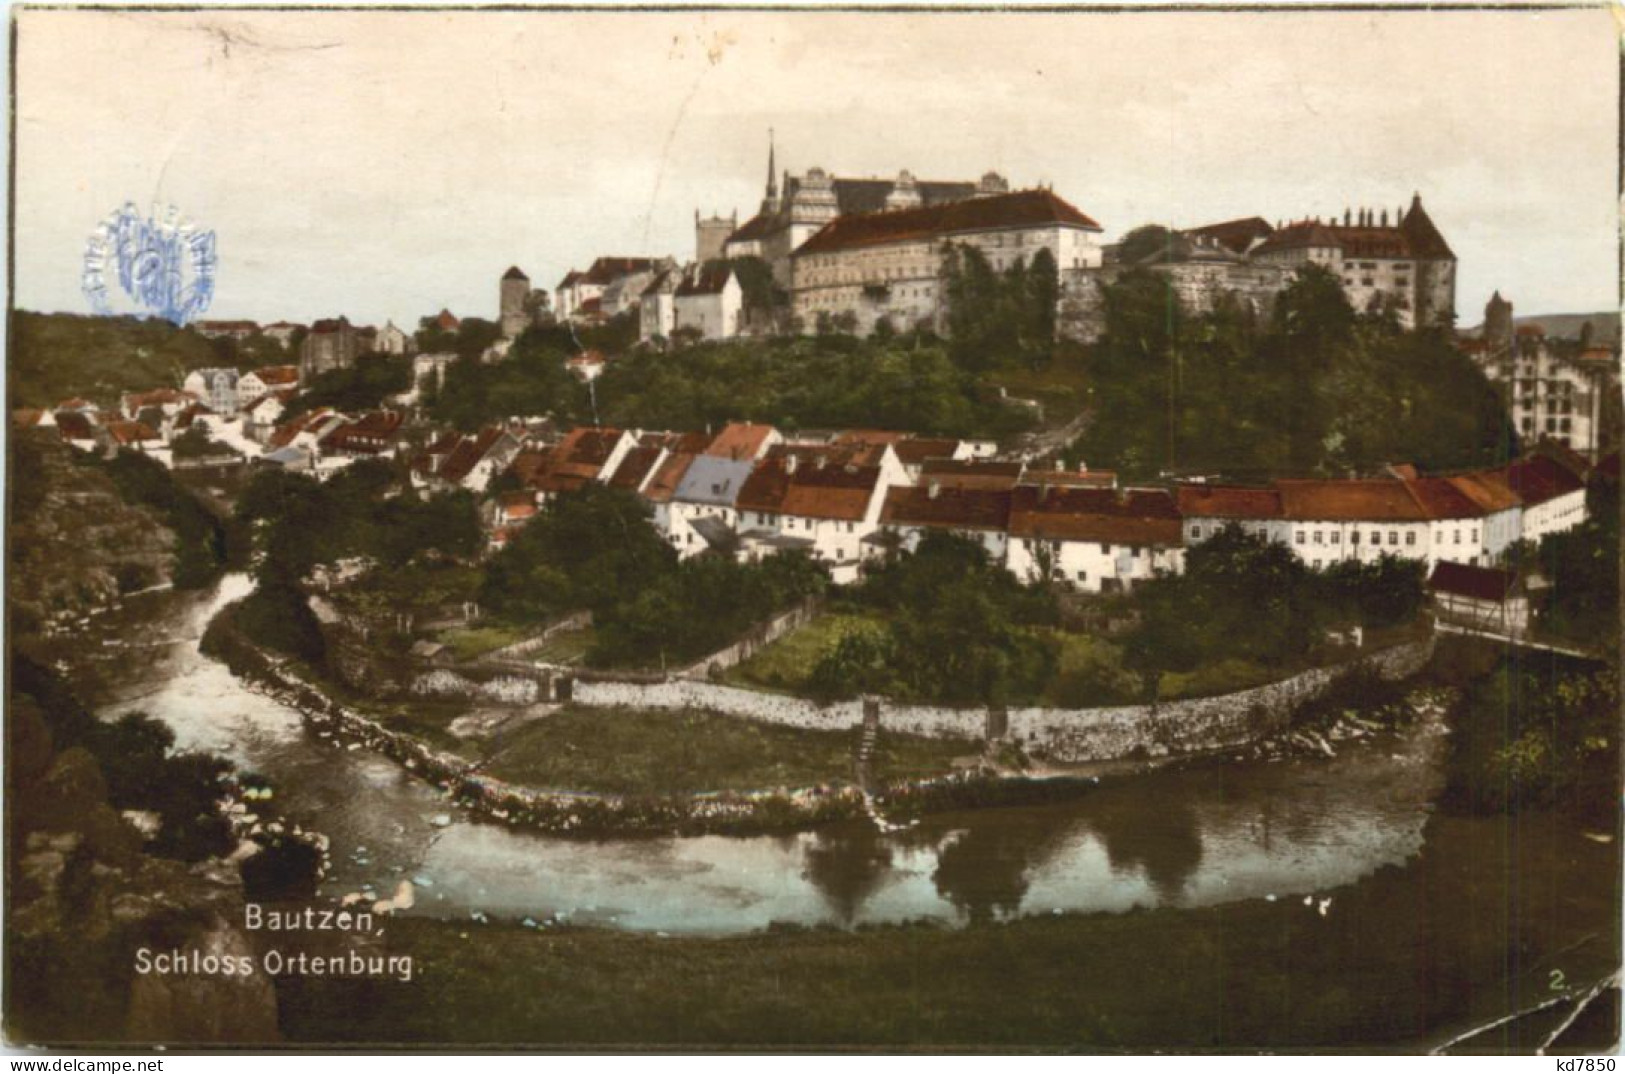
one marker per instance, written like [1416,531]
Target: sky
[383,165]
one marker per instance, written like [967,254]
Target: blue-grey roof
[712,480]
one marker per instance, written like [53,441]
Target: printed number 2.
[1558,981]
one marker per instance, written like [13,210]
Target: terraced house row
[848,498]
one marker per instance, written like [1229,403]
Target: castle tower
[710,233]
[514,289]
[1498,329]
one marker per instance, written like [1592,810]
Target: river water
[1189,837]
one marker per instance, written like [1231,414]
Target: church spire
[772,171]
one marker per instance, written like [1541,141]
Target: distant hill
[1604,326]
[55,356]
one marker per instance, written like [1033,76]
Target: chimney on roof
[933,490]
[1346,216]
[1385,218]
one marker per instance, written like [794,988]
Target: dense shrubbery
[363,386]
[706,603]
[530,381]
[299,523]
[1000,319]
[908,382]
[595,549]
[1316,389]
[1582,565]
[959,630]
[140,772]
[1244,598]
[200,537]
[1537,734]
[56,355]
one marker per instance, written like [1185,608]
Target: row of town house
[848,498]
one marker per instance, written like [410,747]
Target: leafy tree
[593,549]
[859,662]
[532,380]
[960,625]
[363,386]
[1148,241]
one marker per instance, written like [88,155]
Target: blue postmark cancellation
[163,263]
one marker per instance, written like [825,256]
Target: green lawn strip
[625,751]
[786,664]
[467,643]
[567,647]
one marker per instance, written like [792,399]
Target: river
[1184,837]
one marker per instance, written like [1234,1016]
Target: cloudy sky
[386,164]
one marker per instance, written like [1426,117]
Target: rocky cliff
[77,543]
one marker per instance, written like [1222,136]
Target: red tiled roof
[1023,209]
[739,440]
[787,483]
[1083,479]
[663,485]
[1478,583]
[915,451]
[132,432]
[1486,489]
[468,453]
[74,425]
[273,375]
[1539,479]
[157,397]
[447,321]
[1220,501]
[971,473]
[954,508]
[1111,516]
[635,467]
[1442,497]
[1352,501]
[527,462]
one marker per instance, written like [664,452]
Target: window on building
[1393,536]
[1083,576]
[1335,536]
[1196,533]
[1410,538]
[1105,549]
[1320,538]
[1458,536]
[1354,537]
[1297,537]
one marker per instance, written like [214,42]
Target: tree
[592,549]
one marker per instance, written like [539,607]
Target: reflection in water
[1165,846]
[983,869]
[1189,838]
[847,863]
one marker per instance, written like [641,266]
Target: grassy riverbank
[624,751]
[1455,938]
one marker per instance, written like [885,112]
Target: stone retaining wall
[1067,735]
